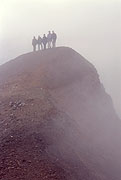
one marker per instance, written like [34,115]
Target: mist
[90,27]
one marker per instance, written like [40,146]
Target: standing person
[49,39]
[40,43]
[44,40]
[34,43]
[54,38]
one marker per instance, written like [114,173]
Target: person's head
[34,37]
[52,31]
[44,35]
[49,32]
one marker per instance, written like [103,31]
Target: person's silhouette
[34,43]
[49,39]
[40,43]
[54,38]
[44,40]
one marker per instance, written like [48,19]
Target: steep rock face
[56,116]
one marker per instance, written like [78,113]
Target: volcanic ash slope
[56,120]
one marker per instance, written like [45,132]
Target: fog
[91,27]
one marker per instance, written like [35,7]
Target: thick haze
[92,27]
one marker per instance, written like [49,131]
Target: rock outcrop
[56,120]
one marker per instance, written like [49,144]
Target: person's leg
[44,46]
[39,47]
[53,43]
[48,44]
[33,48]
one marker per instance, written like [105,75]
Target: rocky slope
[56,120]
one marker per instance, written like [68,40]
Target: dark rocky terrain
[56,120]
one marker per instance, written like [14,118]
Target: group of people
[48,41]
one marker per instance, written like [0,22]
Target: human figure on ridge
[54,38]
[49,39]
[44,40]
[34,43]
[40,40]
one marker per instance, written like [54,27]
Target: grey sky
[92,27]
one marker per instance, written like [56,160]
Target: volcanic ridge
[56,120]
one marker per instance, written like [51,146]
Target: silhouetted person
[44,40]
[40,40]
[34,43]
[54,38]
[49,39]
